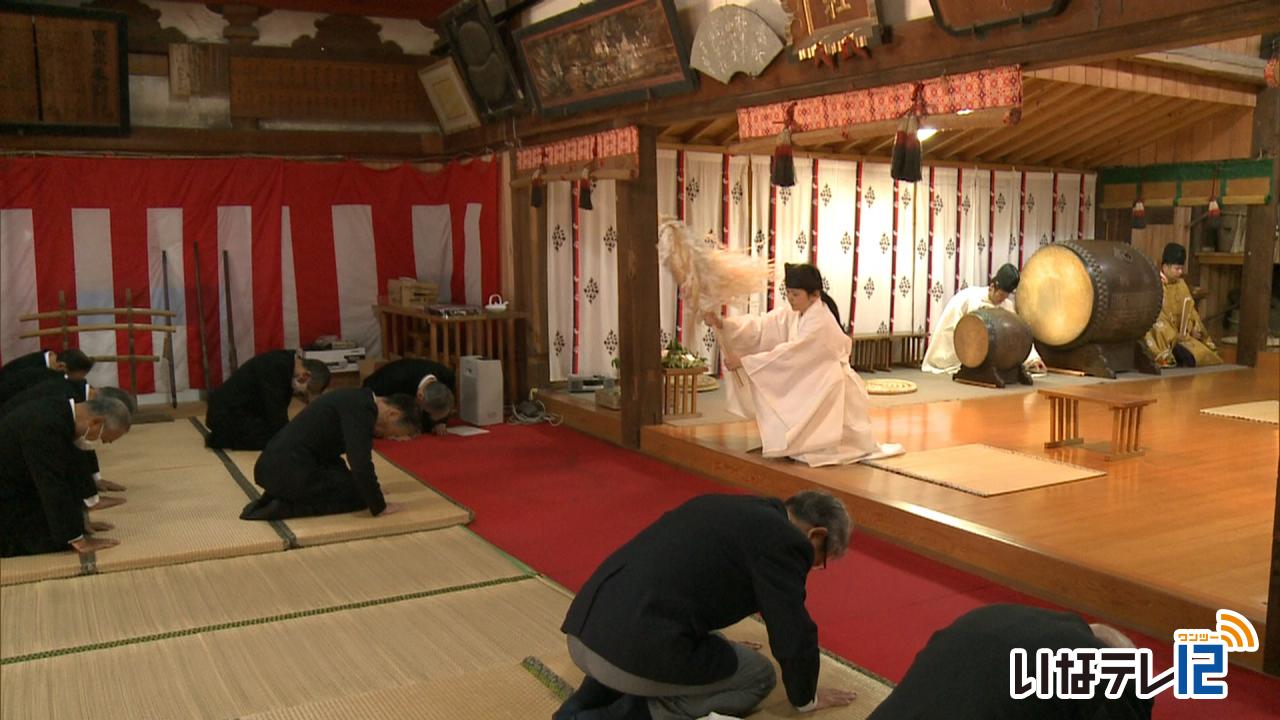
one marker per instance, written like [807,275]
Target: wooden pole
[62,319]
[133,362]
[1260,237]
[639,328]
[204,344]
[1271,643]
[168,338]
[231,321]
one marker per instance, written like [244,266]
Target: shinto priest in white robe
[797,384]
[941,358]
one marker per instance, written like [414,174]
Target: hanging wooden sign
[823,29]
[974,17]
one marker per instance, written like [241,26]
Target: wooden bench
[876,351]
[1126,419]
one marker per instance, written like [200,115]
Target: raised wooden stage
[1159,543]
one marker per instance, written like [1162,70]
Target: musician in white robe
[941,356]
[790,371]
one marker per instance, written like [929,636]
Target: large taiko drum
[1096,296]
[992,336]
[1088,291]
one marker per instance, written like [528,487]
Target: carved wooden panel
[19,101]
[283,88]
[199,69]
[963,17]
[62,70]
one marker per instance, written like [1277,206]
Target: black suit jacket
[653,605]
[260,388]
[24,362]
[963,671]
[52,387]
[40,466]
[337,422]
[14,383]
[403,376]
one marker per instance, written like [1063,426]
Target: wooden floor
[1159,543]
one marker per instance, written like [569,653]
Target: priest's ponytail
[831,305]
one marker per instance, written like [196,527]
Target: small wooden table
[1126,419]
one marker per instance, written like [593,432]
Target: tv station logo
[1199,671]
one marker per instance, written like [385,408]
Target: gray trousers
[737,694]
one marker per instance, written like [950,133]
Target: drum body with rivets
[1088,291]
[992,336]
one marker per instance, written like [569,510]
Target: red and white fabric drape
[310,248]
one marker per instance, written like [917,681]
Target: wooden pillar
[1260,234]
[1271,641]
[529,275]
[639,353]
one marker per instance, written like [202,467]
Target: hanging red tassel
[905,165]
[584,190]
[783,173]
[536,195]
[1213,218]
[1139,215]
[907,155]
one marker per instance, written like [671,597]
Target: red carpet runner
[562,501]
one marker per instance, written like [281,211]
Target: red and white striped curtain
[310,248]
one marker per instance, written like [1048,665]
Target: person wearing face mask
[253,404]
[301,471]
[941,358]
[431,383]
[644,627]
[42,472]
[1178,337]
[799,345]
[79,391]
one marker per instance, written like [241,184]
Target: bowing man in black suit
[430,382]
[302,472]
[41,472]
[78,391]
[963,671]
[35,368]
[253,404]
[643,628]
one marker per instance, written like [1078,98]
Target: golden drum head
[972,340]
[1055,295]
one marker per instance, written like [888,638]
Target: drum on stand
[992,343]
[1088,303]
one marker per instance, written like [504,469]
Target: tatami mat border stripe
[291,540]
[547,677]
[264,620]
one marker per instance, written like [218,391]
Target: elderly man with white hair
[42,472]
[644,627]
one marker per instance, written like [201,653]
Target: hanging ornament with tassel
[1213,218]
[537,191]
[584,184]
[907,155]
[783,173]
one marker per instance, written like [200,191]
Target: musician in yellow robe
[1178,337]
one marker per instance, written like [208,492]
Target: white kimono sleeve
[941,356]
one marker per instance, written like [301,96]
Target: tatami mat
[983,470]
[140,604]
[170,516]
[154,446]
[505,693]
[1263,411]
[424,508]
[871,690]
[246,670]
